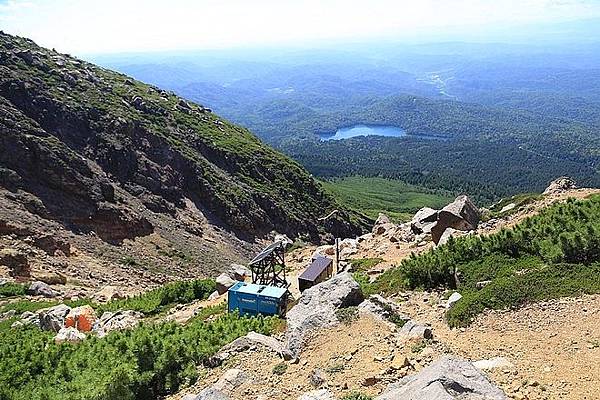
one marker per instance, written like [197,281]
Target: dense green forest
[553,254]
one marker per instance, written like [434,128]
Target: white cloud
[128,25]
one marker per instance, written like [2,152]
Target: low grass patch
[397,199]
[347,315]
[357,396]
[364,264]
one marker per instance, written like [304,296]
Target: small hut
[318,271]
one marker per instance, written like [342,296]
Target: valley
[299,201]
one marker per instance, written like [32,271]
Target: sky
[112,26]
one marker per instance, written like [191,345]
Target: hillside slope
[92,158]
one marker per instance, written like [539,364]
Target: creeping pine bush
[148,362]
[12,289]
[552,254]
[155,301]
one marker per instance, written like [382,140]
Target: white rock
[453,299]
[493,363]
[70,335]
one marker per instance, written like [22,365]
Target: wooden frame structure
[268,267]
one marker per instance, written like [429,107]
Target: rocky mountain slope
[92,162]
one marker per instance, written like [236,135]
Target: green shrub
[553,254]
[12,289]
[148,362]
[157,300]
[279,369]
[347,315]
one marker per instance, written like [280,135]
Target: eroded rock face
[317,306]
[16,261]
[449,378]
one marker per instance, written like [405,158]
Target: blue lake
[364,130]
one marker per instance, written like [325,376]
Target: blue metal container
[252,299]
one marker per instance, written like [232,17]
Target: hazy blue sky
[82,26]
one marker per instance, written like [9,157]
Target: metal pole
[337,255]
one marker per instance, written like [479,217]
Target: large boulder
[448,379]
[224,282]
[224,387]
[382,224]
[116,321]
[423,220]
[38,288]
[560,185]
[70,335]
[461,214]
[238,272]
[53,318]
[317,308]
[244,343]
[81,318]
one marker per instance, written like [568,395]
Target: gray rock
[224,282]
[53,318]
[317,378]
[493,363]
[246,342]
[423,220]
[461,215]
[38,288]
[7,315]
[384,309]
[321,394]
[448,233]
[317,308]
[560,185]
[70,335]
[413,330]
[224,387]
[238,272]
[448,379]
[481,284]
[116,321]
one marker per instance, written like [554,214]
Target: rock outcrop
[116,321]
[317,308]
[561,185]
[461,214]
[223,388]
[447,379]
[53,318]
[252,339]
[70,335]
